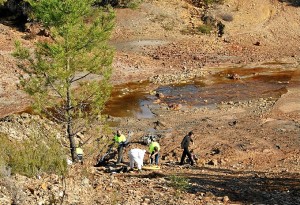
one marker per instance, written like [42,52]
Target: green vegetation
[133,4]
[179,183]
[205,29]
[33,156]
[68,75]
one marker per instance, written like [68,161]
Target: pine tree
[67,76]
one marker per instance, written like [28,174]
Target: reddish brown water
[131,99]
[134,99]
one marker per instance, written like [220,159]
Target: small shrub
[179,183]
[34,155]
[132,4]
[206,29]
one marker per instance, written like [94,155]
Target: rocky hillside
[248,149]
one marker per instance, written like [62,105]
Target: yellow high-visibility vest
[120,138]
[79,151]
[152,145]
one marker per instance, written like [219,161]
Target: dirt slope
[155,39]
[270,22]
[248,150]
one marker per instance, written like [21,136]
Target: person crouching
[136,157]
[154,148]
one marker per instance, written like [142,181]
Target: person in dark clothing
[221,28]
[185,143]
[121,140]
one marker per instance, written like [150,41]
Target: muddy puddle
[134,99]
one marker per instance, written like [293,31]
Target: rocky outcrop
[25,125]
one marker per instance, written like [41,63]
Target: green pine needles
[68,74]
[32,156]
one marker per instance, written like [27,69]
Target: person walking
[121,140]
[154,148]
[185,143]
[136,156]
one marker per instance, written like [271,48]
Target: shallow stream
[134,99]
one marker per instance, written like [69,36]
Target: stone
[225,199]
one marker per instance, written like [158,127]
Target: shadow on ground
[242,187]
[248,187]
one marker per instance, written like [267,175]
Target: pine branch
[81,77]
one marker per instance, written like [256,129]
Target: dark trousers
[80,157]
[156,157]
[185,153]
[120,153]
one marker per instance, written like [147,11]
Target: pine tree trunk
[69,127]
[71,139]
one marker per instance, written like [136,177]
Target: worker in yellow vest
[79,153]
[121,140]
[154,149]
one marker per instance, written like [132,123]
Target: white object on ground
[136,156]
